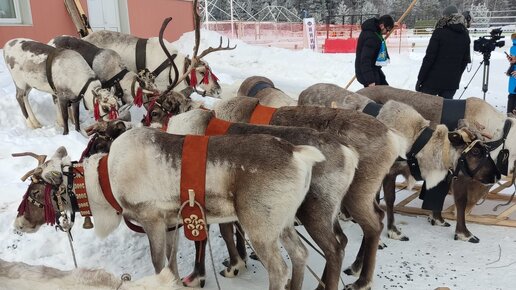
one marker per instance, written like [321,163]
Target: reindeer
[139,53]
[366,135]
[110,69]
[258,180]
[264,89]
[496,126]
[318,212]
[410,124]
[61,72]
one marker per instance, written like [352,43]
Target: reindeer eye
[154,114]
[476,151]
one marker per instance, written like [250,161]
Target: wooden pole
[400,21]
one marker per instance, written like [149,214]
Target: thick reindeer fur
[106,63]
[26,59]
[377,146]
[268,96]
[258,180]
[330,181]
[466,191]
[21,276]
[125,46]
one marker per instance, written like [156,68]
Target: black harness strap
[164,65]
[416,147]
[495,144]
[141,53]
[502,160]
[372,109]
[452,112]
[48,68]
[115,79]
[83,91]
[258,87]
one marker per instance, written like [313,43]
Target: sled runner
[79,18]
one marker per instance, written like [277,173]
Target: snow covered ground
[430,259]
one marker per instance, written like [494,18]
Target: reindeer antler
[218,48]
[40,158]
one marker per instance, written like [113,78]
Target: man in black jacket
[447,55]
[372,52]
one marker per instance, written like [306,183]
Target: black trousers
[446,94]
[511,103]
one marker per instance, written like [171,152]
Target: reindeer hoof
[395,234]
[254,256]
[469,238]
[381,245]
[356,287]
[233,270]
[350,272]
[194,280]
[436,222]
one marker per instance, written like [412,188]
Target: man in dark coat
[371,51]
[447,55]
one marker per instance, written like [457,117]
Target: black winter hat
[448,11]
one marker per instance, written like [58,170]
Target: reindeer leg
[369,215]
[331,240]
[22,96]
[235,261]
[298,255]
[389,193]
[63,105]
[75,116]
[172,252]
[240,241]
[198,276]
[156,232]
[460,194]
[59,116]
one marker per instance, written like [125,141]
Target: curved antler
[41,159]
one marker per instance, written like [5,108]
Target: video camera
[487,44]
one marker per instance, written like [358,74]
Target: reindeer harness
[141,63]
[262,115]
[258,86]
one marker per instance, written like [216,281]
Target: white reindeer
[258,180]
[109,68]
[62,73]
[139,53]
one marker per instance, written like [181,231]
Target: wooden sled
[503,218]
[79,18]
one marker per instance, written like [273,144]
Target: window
[10,11]
[15,12]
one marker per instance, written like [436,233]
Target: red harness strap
[262,115]
[105,185]
[217,127]
[193,176]
[79,187]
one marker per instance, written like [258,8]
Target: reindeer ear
[60,153]
[455,139]
[112,90]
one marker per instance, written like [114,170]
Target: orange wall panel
[146,17]
[49,19]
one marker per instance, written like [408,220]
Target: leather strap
[105,185]
[79,187]
[420,142]
[141,54]
[258,87]
[262,115]
[217,127]
[48,68]
[452,112]
[372,109]
[193,177]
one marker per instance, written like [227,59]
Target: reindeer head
[143,87]
[163,107]
[475,160]
[37,206]
[102,135]
[196,69]
[105,104]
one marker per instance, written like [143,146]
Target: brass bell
[87,223]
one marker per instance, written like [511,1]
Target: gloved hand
[418,86]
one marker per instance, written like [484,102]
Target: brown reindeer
[411,125]
[258,180]
[466,191]
[318,212]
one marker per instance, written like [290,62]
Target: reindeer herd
[270,159]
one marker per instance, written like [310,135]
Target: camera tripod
[485,77]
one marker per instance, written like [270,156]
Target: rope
[70,241]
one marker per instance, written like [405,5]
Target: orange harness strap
[217,127]
[262,115]
[193,176]
[105,185]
